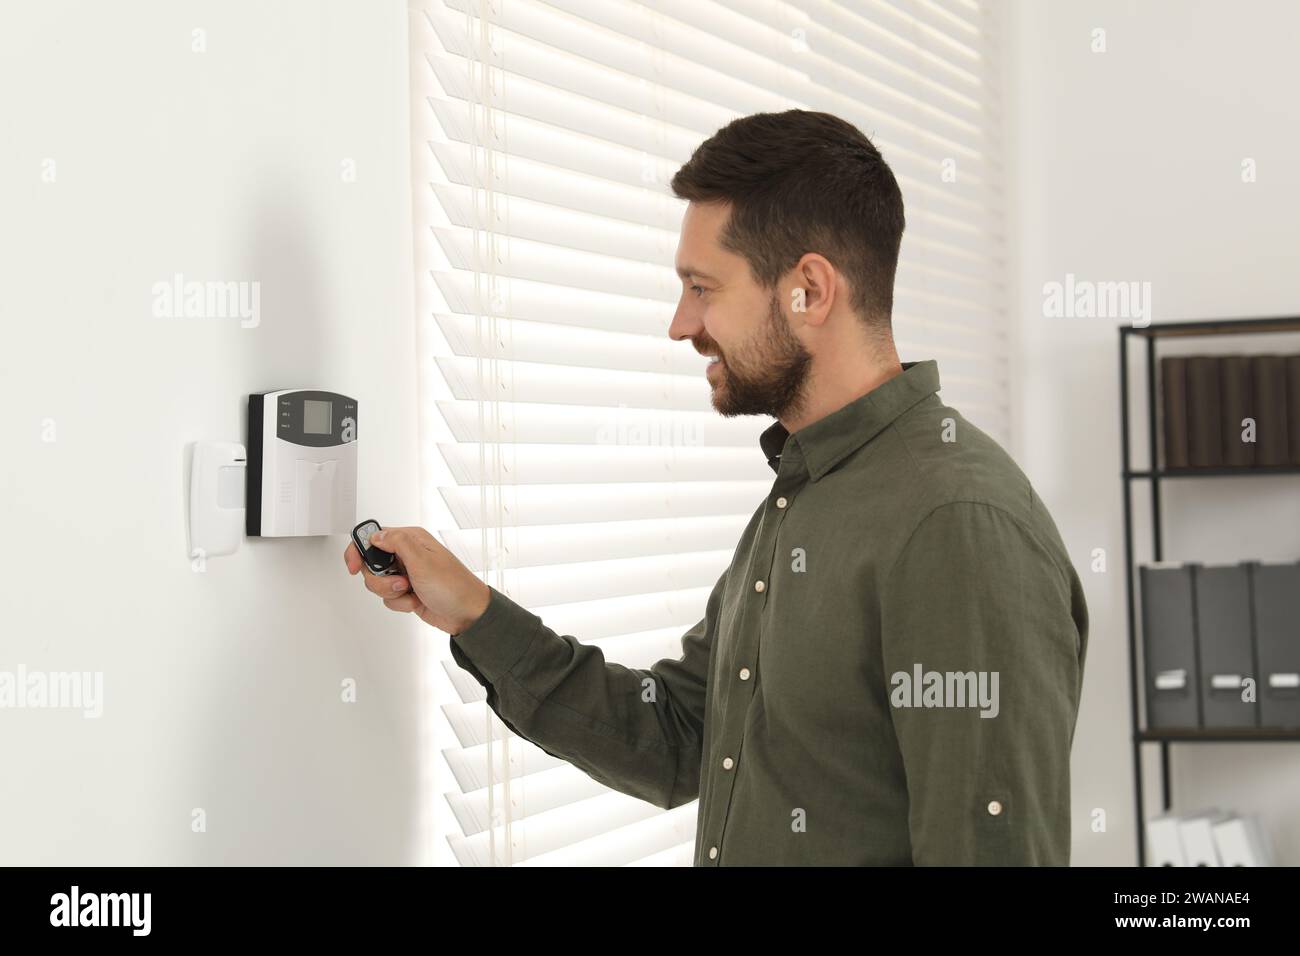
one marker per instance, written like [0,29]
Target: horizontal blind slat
[576,503]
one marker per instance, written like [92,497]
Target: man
[889,670]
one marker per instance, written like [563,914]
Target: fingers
[409,544]
[388,539]
[387,585]
[352,558]
[407,602]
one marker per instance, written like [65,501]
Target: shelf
[1240,471]
[1218,735]
[1154,335]
[1215,327]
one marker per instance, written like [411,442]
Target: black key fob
[377,560]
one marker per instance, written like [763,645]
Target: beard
[766,375]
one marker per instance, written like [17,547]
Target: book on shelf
[1204,412]
[1173,395]
[1230,411]
[1270,410]
[1293,407]
[1238,396]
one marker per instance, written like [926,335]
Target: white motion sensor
[217,472]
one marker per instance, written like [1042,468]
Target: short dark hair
[800,182]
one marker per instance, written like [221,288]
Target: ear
[810,289]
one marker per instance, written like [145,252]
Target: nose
[685,323]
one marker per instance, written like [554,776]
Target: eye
[698,290]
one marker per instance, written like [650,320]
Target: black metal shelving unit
[1155,475]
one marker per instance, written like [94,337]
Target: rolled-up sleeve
[637,730]
[973,594]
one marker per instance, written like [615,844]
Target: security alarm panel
[302,463]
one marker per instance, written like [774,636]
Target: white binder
[1240,842]
[1164,847]
[1197,834]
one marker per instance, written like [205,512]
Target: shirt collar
[829,440]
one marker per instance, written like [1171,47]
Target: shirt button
[994,807]
[727,763]
[713,853]
[759,585]
[744,673]
[781,502]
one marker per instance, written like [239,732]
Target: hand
[436,586]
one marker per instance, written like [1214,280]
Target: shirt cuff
[500,637]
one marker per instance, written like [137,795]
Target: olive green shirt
[888,672]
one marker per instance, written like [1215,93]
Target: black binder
[1269,377]
[1277,641]
[1293,406]
[1169,647]
[1223,637]
[1204,412]
[1238,398]
[1173,392]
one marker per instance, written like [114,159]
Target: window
[571,453]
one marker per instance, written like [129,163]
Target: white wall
[222,688]
[1127,166]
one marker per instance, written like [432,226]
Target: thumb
[397,541]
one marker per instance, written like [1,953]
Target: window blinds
[571,454]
